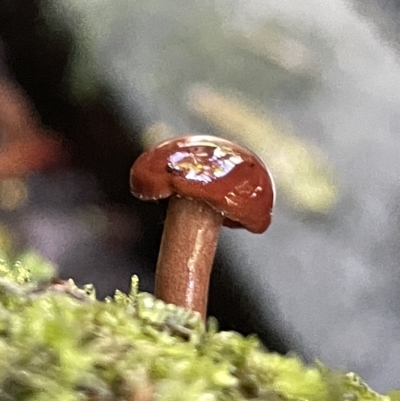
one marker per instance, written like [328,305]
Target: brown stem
[187,252]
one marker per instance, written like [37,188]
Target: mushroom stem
[187,252]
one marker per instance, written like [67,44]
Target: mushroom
[211,182]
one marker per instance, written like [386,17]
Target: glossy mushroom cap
[231,179]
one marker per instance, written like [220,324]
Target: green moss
[57,342]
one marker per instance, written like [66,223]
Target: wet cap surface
[228,177]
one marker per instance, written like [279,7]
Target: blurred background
[312,87]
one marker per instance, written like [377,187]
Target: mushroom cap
[229,178]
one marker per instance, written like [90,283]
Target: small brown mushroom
[212,182]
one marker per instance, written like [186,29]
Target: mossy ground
[57,342]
